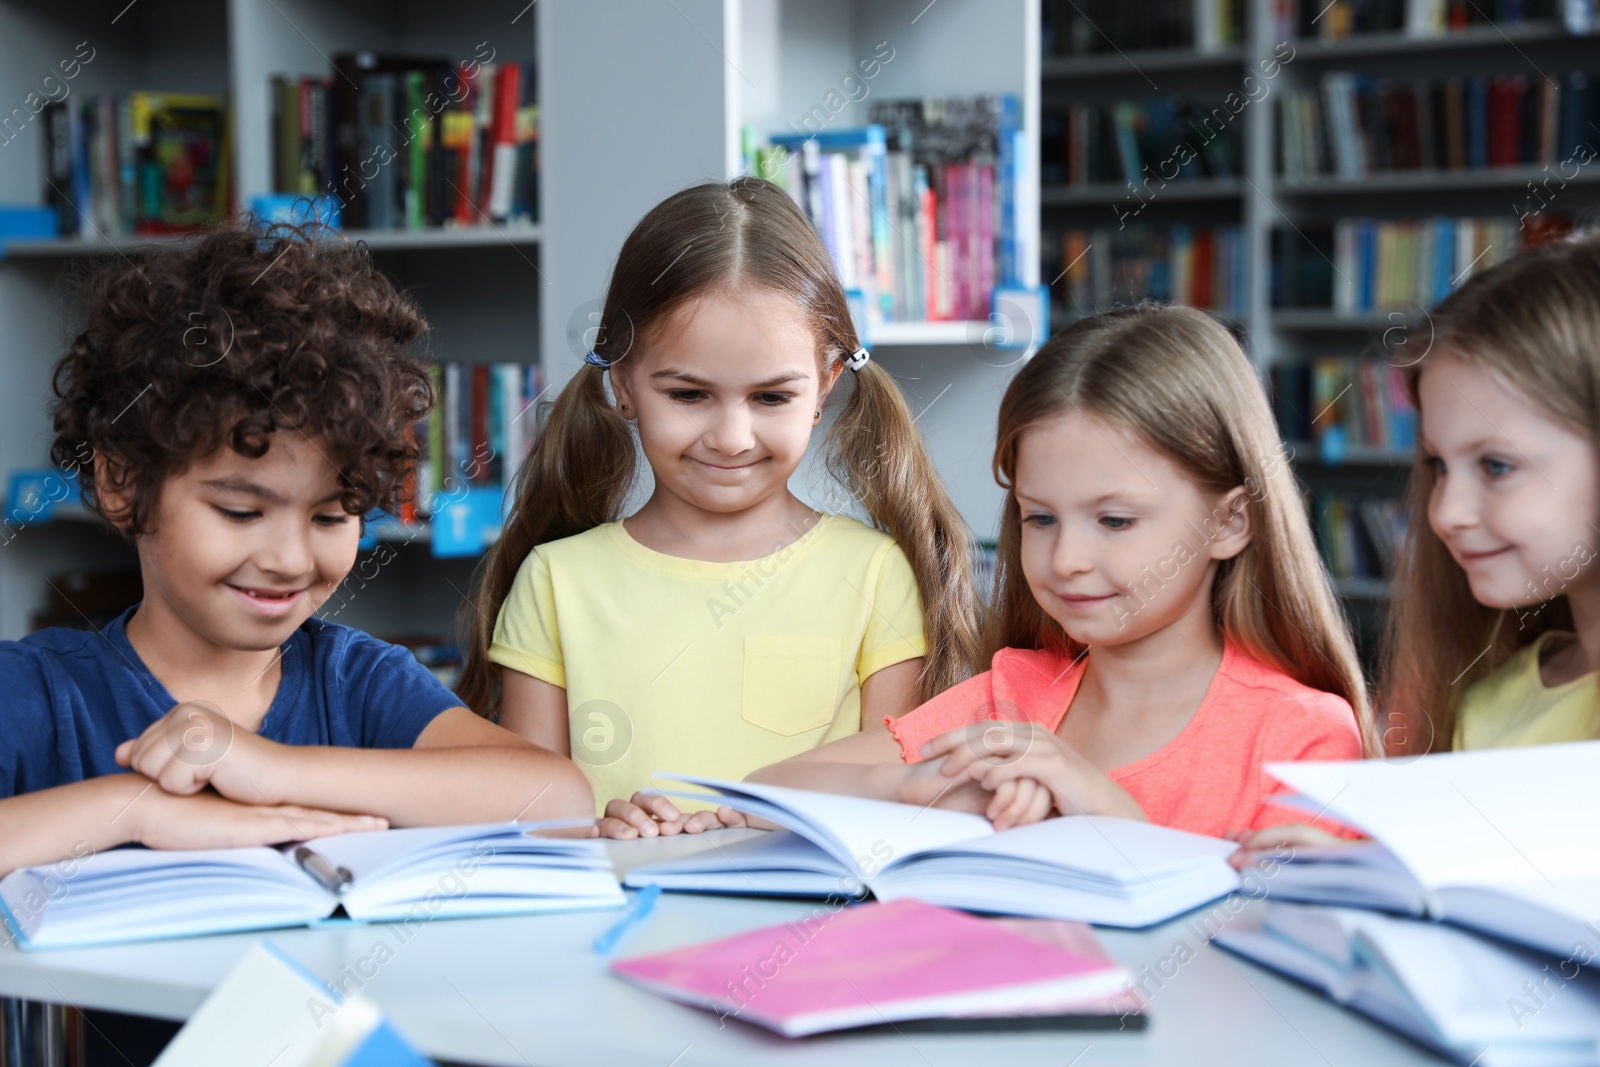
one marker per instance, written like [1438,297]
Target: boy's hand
[994,753]
[206,820]
[651,815]
[196,745]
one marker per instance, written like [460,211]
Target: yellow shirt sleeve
[526,637]
[894,632]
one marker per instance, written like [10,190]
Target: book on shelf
[1364,400]
[1339,19]
[1144,145]
[1199,266]
[1352,125]
[136,163]
[1089,868]
[1359,533]
[1464,996]
[478,433]
[909,962]
[1086,27]
[403,875]
[1358,266]
[411,143]
[1499,840]
[919,208]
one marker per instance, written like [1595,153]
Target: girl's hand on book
[651,815]
[196,745]
[1019,802]
[1281,842]
[206,820]
[994,753]
[926,785]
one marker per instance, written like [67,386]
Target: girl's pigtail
[575,478]
[876,452]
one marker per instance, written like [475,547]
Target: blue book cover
[1477,94]
[1008,178]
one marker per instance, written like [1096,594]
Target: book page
[865,835]
[1502,817]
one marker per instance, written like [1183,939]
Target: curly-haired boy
[233,406]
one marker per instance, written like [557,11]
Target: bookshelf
[1262,202]
[699,73]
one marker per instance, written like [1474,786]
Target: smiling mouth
[267,596]
[726,467]
[1078,599]
[1478,557]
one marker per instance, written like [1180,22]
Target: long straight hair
[721,237]
[1178,380]
[1534,322]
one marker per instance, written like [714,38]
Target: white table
[529,991]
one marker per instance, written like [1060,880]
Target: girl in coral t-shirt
[1162,622]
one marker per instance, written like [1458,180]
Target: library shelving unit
[480,287]
[637,99]
[1263,202]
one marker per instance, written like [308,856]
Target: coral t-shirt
[1209,779]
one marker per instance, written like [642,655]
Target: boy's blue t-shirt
[70,697]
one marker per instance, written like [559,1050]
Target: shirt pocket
[791,684]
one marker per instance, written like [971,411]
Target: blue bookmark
[644,902]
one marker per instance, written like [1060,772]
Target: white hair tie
[857,359]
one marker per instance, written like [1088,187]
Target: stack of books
[1086,27]
[1421,18]
[145,163]
[1352,125]
[480,429]
[1361,266]
[1198,266]
[1359,534]
[918,209]
[1468,922]
[1139,144]
[408,143]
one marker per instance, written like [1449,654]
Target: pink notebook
[876,963]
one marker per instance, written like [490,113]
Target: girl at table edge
[1162,623]
[1494,640]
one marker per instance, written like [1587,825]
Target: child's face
[242,551]
[725,396]
[1117,541]
[1516,492]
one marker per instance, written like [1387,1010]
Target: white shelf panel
[928,333]
[377,240]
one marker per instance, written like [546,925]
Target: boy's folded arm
[462,769]
[73,821]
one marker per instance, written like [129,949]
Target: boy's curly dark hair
[224,340]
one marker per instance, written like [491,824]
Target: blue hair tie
[596,361]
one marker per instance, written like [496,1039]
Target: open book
[1098,869]
[407,875]
[1475,1000]
[1506,841]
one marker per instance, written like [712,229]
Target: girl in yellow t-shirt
[1495,632]
[724,625]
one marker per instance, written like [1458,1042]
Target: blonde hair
[1534,322]
[711,238]
[1176,378]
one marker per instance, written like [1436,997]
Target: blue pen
[644,902]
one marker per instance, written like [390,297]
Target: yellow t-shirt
[1513,706]
[716,669]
